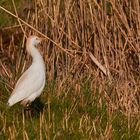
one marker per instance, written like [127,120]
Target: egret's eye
[37,38]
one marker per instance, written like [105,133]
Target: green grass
[67,117]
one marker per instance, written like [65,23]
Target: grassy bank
[92,59]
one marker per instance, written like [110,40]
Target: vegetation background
[92,57]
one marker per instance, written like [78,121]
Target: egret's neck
[34,53]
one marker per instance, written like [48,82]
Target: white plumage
[31,83]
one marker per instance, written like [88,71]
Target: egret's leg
[25,102]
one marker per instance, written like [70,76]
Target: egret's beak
[41,39]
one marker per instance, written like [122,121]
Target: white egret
[31,83]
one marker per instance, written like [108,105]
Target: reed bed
[92,59]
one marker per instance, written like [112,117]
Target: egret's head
[33,40]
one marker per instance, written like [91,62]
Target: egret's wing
[28,83]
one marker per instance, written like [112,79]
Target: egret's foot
[33,108]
